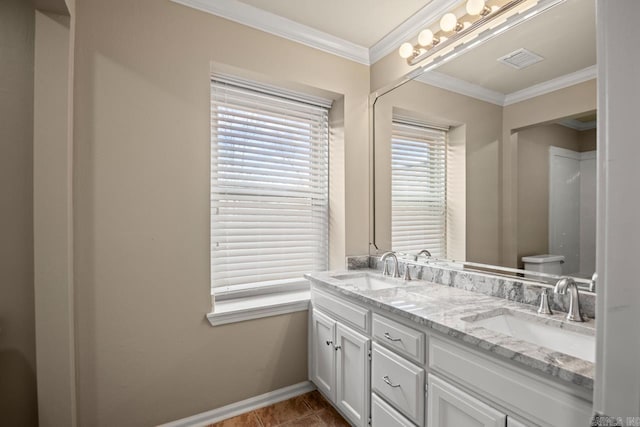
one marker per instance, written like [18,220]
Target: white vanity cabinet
[531,397]
[399,382]
[448,406]
[339,366]
[381,369]
[512,422]
[384,415]
[323,360]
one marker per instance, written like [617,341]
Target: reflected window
[418,188]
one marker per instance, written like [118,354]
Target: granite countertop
[452,311]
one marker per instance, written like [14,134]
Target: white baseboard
[247,405]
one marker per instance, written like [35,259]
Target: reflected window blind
[418,188]
[269,184]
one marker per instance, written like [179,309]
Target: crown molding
[462,87]
[410,28]
[250,16]
[578,125]
[472,90]
[552,85]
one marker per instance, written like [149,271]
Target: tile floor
[308,410]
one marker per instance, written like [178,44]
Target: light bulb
[406,50]
[475,7]
[425,38]
[448,22]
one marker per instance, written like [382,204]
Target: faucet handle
[544,303]
[407,273]
[592,284]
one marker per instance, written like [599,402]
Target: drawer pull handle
[389,383]
[388,336]
[337,347]
[329,342]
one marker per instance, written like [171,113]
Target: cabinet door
[352,375]
[323,364]
[511,422]
[384,415]
[451,407]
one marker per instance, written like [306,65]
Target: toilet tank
[548,264]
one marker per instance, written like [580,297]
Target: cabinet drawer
[383,414]
[351,314]
[399,337]
[399,381]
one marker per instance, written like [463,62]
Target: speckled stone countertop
[452,311]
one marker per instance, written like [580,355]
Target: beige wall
[52,223]
[146,353]
[588,140]
[389,70]
[533,184]
[482,124]
[571,101]
[18,405]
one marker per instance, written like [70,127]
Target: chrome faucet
[423,252]
[407,272]
[592,284]
[574,302]
[385,270]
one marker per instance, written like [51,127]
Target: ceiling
[565,36]
[362,22]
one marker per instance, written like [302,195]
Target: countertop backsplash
[521,291]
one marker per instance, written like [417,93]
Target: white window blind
[418,188]
[269,184]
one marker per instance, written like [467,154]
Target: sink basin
[532,329]
[366,281]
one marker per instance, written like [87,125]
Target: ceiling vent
[520,59]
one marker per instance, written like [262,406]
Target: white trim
[410,28]
[462,87]
[552,85]
[562,152]
[222,293]
[588,155]
[472,90]
[570,154]
[254,17]
[256,307]
[272,90]
[244,406]
[578,125]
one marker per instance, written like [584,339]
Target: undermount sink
[366,281]
[533,330]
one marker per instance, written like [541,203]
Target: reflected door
[564,207]
[572,204]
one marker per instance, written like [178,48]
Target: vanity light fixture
[449,23]
[426,38]
[468,25]
[477,7]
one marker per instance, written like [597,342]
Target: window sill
[259,306]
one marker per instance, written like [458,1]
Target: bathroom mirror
[508,175]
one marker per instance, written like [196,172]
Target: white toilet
[548,264]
